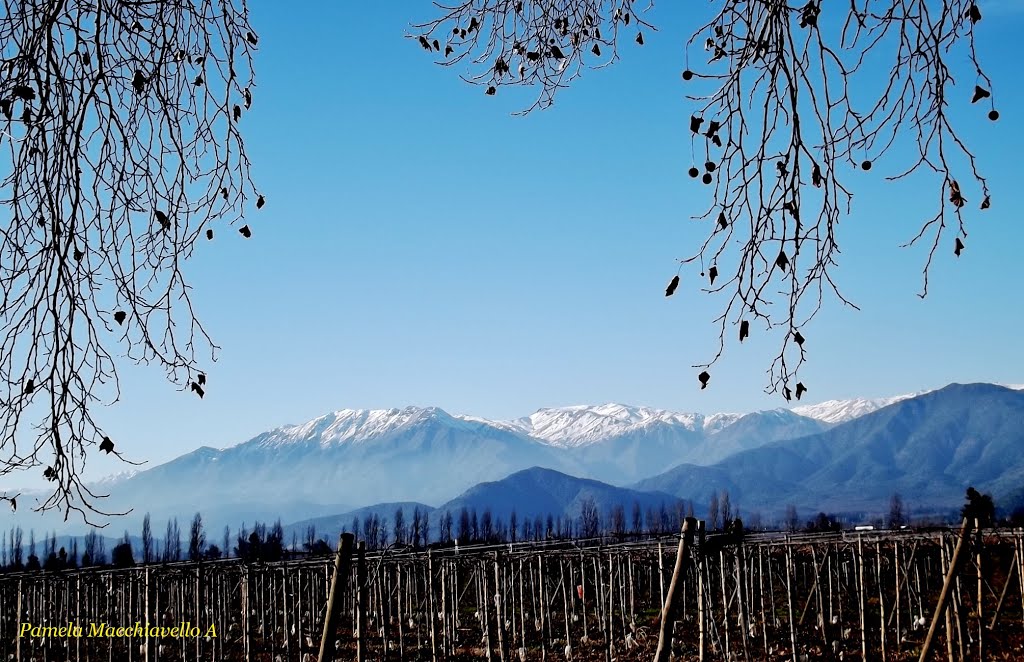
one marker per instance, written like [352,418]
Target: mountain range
[838,455]
[928,448]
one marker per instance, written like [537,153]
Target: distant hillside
[929,449]
[539,491]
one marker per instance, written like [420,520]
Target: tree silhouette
[196,539]
[792,521]
[617,521]
[400,529]
[897,517]
[172,541]
[310,538]
[95,552]
[120,121]
[148,545]
[979,507]
[446,527]
[713,511]
[785,101]
[416,527]
[590,519]
[121,556]
[486,526]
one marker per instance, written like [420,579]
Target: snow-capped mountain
[582,425]
[361,426]
[928,448]
[114,479]
[840,411]
[356,457]
[352,458]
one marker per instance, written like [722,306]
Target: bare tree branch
[120,120]
[792,99]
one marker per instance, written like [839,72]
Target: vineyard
[868,595]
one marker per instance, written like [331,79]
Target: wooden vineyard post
[485,614]
[1002,596]
[146,615]
[285,582]
[565,605]
[498,613]
[199,607]
[661,574]
[1020,567]
[760,591]
[674,592]
[342,565]
[860,597]
[701,597]
[881,595]
[245,614]
[947,585]
[789,598]
[977,609]
[401,600]
[896,602]
[701,618]
[740,561]
[725,601]
[17,622]
[361,638]
[611,609]
[433,610]
[949,622]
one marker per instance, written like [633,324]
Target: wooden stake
[342,565]
[361,591]
[978,607]
[947,585]
[430,605]
[789,599]
[670,605]
[1002,596]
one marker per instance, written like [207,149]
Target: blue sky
[420,246]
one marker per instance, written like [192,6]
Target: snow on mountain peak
[114,479]
[351,426]
[717,422]
[841,411]
[566,427]
[581,425]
